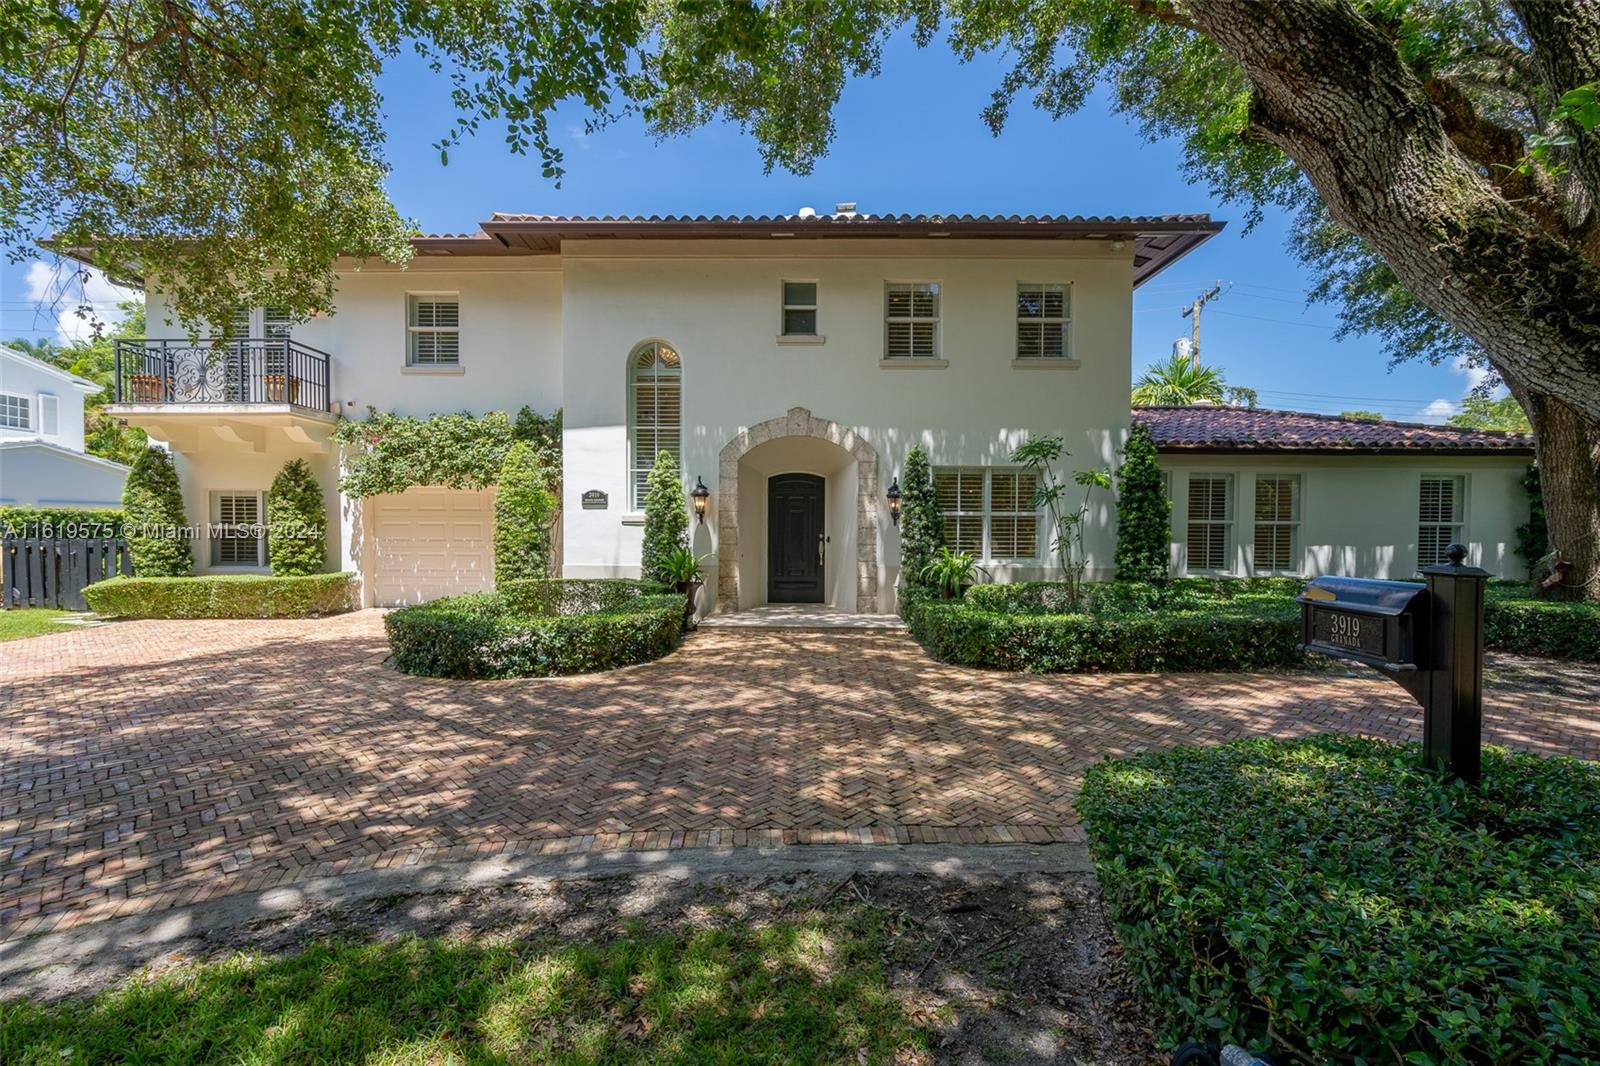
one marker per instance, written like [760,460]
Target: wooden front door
[796,538]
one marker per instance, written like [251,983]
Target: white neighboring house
[788,361]
[42,461]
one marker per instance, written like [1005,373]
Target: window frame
[1458,526]
[1293,524]
[638,476]
[215,526]
[987,513]
[1064,321]
[1227,522]
[23,405]
[936,290]
[413,331]
[48,418]
[815,307]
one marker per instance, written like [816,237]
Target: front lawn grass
[22,622]
[802,990]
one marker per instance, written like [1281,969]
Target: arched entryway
[798,443]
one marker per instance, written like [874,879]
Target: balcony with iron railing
[274,371]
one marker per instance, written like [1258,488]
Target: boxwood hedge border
[222,596]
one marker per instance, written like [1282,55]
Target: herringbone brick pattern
[150,764]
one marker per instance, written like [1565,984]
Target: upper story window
[16,412]
[655,413]
[988,511]
[911,320]
[433,329]
[799,309]
[1210,521]
[1277,534]
[1441,510]
[1044,318]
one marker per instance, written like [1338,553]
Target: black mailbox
[1379,623]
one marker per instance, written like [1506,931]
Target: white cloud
[1438,411]
[77,297]
[1475,374]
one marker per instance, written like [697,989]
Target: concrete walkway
[801,616]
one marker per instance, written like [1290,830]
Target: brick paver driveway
[150,764]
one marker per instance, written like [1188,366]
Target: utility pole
[1193,311]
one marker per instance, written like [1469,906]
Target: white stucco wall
[1359,513]
[22,375]
[213,467]
[39,475]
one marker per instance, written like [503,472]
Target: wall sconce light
[702,498]
[894,500]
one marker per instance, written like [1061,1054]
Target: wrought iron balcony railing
[274,370]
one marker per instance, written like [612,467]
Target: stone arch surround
[799,422]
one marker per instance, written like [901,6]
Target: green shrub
[1359,907]
[523,510]
[921,522]
[1533,536]
[482,636]
[1514,621]
[666,518]
[65,522]
[297,522]
[222,596]
[575,595]
[388,453]
[153,518]
[1144,514]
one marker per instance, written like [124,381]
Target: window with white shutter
[911,320]
[1210,521]
[15,412]
[433,326]
[655,391]
[237,535]
[1440,509]
[49,415]
[988,511]
[1277,519]
[1043,321]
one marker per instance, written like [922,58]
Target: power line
[1280,321]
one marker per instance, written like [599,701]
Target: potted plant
[950,572]
[682,567]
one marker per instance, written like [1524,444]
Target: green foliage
[222,596]
[1124,626]
[682,566]
[69,522]
[20,622]
[544,434]
[949,572]
[1515,621]
[297,522]
[523,513]
[1480,412]
[1144,514]
[1358,907]
[153,517]
[1362,416]
[921,524]
[387,453]
[574,595]
[1533,536]
[1040,454]
[94,359]
[666,519]
[499,634]
[1178,382]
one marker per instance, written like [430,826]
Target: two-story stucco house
[42,457]
[789,362]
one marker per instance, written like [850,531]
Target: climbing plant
[387,453]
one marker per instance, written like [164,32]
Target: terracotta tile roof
[857,218]
[1238,429]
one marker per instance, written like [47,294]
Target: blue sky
[910,140]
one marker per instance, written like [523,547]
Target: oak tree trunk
[1568,450]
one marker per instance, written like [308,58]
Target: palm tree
[1178,382]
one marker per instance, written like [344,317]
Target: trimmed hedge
[1514,621]
[1359,907]
[1122,626]
[222,596]
[64,522]
[536,628]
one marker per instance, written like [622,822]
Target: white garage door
[431,542]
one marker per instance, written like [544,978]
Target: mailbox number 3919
[1345,629]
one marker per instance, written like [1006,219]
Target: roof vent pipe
[847,208]
[807,212]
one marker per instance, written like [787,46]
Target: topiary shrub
[222,596]
[153,517]
[1330,900]
[666,519]
[523,510]
[1144,514]
[921,524]
[297,522]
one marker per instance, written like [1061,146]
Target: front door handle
[821,551]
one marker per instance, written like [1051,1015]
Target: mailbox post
[1427,638]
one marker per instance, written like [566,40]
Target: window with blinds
[236,534]
[988,512]
[1277,522]
[1440,522]
[1043,320]
[15,412]
[433,327]
[655,389]
[911,320]
[1210,520]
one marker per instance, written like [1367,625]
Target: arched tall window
[655,413]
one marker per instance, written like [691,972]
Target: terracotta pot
[690,590]
[274,387]
[146,388]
